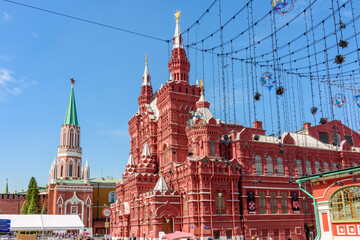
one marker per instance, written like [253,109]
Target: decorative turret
[161,185]
[146,88]
[130,166]
[147,163]
[203,131]
[179,65]
[53,171]
[6,191]
[69,152]
[87,171]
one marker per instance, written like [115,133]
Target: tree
[24,209]
[32,209]
[29,191]
[36,197]
[43,210]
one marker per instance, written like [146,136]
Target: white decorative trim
[331,186]
[60,199]
[69,154]
[338,230]
[348,229]
[75,200]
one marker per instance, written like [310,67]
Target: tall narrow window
[273,205]
[258,165]
[308,167]
[284,204]
[71,138]
[326,167]
[262,202]
[166,154]
[64,138]
[317,167]
[135,208]
[70,170]
[219,203]
[151,222]
[62,171]
[212,148]
[299,168]
[185,206]
[269,166]
[280,167]
[144,212]
[304,206]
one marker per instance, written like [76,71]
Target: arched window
[135,215]
[345,204]
[269,166]
[112,197]
[326,167]
[334,166]
[219,203]
[71,138]
[70,170]
[258,165]
[336,139]
[185,206]
[299,168]
[317,167]
[62,171]
[212,148]
[151,221]
[166,150]
[144,212]
[308,168]
[280,167]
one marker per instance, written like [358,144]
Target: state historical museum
[212,178]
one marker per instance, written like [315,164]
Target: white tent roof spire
[146,76]
[161,185]
[177,35]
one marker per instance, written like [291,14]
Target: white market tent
[40,222]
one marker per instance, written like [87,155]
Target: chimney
[257,124]
[307,125]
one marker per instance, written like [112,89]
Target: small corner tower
[69,152]
[146,88]
[179,65]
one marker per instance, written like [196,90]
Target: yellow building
[103,196]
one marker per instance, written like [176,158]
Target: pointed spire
[146,151]
[177,36]
[161,185]
[6,187]
[197,82]
[130,161]
[71,116]
[171,78]
[202,97]
[146,76]
[161,86]
[87,171]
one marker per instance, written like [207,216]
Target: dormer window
[336,139]
[324,137]
[349,139]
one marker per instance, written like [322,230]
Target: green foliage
[32,198]
[24,209]
[29,191]
[44,210]
[36,197]
[32,209]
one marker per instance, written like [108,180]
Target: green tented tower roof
[71,116]
[6,187]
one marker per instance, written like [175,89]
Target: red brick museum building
[201,175]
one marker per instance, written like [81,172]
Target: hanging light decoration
[357,99]
[339,59]
[267,81]
[282,6]
[339,100]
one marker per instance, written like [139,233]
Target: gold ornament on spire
[177,15]
[72,81]
[146,61]
[202,86]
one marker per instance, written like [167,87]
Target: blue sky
[40,51]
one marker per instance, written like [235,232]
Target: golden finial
[177,15]
[146,62]
[72,81]
[202,86]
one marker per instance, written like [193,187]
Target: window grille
[280,167]
[345,204]
[258,164]
[273,205]
[284,204]
[262,202]
[269,166]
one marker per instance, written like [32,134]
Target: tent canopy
[177,235]
[41,222]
